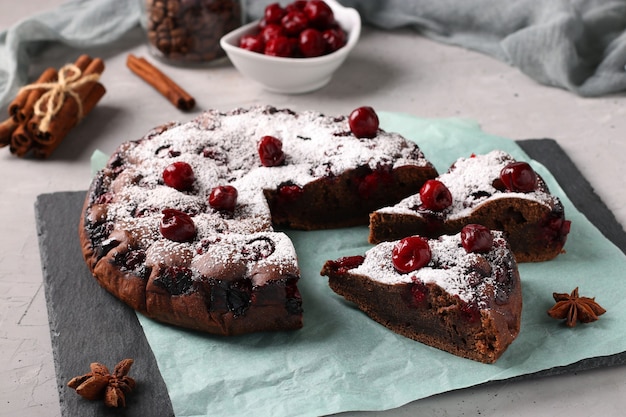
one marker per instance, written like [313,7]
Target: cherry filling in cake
[180,224]
[493,190]
[459,293]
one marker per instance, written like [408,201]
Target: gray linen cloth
[578,45]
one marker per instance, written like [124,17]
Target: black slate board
[88,324]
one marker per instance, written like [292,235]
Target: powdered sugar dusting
[450,267]
[221,148]
[471,183]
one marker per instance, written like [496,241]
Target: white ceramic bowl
[292,75]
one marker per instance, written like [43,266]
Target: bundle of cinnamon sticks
[44,112]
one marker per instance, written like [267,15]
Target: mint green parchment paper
[343,361]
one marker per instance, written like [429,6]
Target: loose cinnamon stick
[6,131]
[65,120]
[161,82]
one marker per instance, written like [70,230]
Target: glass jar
[185,32]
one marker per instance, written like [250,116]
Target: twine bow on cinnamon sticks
[43,112]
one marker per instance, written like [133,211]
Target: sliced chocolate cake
[180,224]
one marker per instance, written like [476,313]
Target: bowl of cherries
[294,48]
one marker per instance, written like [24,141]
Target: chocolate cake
[180,223]
[437,292]
[493,190]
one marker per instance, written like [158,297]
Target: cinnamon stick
[6,131]
[82,62]
[21,141]
[161,82]
[21,108]
[64,121]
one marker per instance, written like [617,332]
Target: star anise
[100,384]
[574,308]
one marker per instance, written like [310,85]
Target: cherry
[294,22]
[271,31]
[419,292]
[280,46]
[410,254]
[335,39]
[557,229]
[290,192]
[271,151]
[476,238]
[179,175]
[469,312]
[252,43]
[134,258]
[363,122]
[176,280]
[342,265]
[223,197]
[273,13]
[435,195]
[311,43]
[177,225]
[319,13]
[297,5]
[294,299]
[519,177]
[372,182]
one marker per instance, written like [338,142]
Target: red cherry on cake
[271,151]
[177,225]
[289,193]
[410,254]
[419,292]
[519,177]
[364,122]
[476,238]
[435,195]
[342,265]
[223,197]
[179,175]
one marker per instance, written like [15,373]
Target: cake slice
[458,293]
[493,190]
